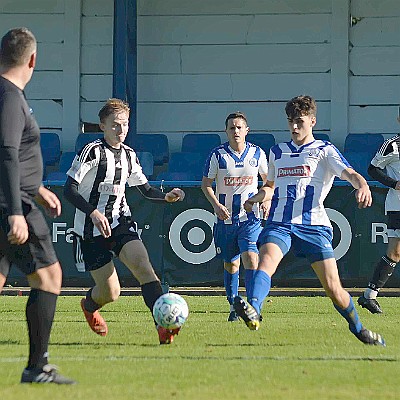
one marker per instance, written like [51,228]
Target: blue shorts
[231,240]
[311,241]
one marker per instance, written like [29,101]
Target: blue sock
[351,316]
[231,283]
[248,282]
[261,288]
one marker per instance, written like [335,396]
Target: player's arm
[49,201]
[264,194]
[266,204]
[72,194]
[363,193]
[379,175]
[11,128]
[219,209]
[152,193]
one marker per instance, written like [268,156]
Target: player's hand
[265,207]
[363,197]
[18,233]
[222,212]
[248,205]
[101,223]
[174,195]
[49,201]
[397,185]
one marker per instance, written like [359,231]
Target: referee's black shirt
[21,166]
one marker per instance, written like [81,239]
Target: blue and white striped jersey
[388,156]
[102,173]
[303,176]
[236,177]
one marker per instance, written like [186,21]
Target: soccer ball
[170,311]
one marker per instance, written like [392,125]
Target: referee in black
[25,237]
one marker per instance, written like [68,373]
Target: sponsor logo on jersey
[239,164]
[238,180]
[108,188]
[253,162]
[299,170]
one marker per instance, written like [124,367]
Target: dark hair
[236,114]
[113,106]
[301,105]
[17,46]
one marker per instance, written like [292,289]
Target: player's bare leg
[328,275]
[106,290]
[134,255]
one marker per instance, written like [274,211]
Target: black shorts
[37,252]
[393,220]
[99,251]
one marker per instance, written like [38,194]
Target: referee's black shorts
[37,252]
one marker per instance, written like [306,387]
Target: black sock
[90,305]
[383,270]
[40,310]
[151,291]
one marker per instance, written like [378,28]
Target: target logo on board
[190,236]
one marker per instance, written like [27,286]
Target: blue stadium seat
[187,162]
[176,176]
[146,162]
[51,148]
[360,161]
[201,143]
[65,163]
[366,142]
[154,143]
[84,138]
[322,136]
[263,140]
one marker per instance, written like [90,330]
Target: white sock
[370,293]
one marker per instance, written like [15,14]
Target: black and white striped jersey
[102,173]
[388,156]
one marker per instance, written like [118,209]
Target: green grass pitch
[303,350]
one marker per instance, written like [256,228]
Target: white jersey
[388,157]
[236,177]
[303,176]
[102,173]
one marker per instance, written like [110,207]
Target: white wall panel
[97,30]
[366,90]
[381,8]
[158,59]
[201,117]
[46,27]
[90,110]
[97,7]
[45,85]
[231,7]
[231,87]
[32,7]
[376,32]
[96,59]
[280,86]
[375,61]
[257,58]
[373,119]
[96,87]
[294,28]
[50,57]
[48,113]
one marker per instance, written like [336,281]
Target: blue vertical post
[125,58]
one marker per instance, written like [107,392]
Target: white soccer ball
[170,311]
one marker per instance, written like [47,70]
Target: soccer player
[387,158]
[103,223]
[300,175]
[235,166]
[25,238]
